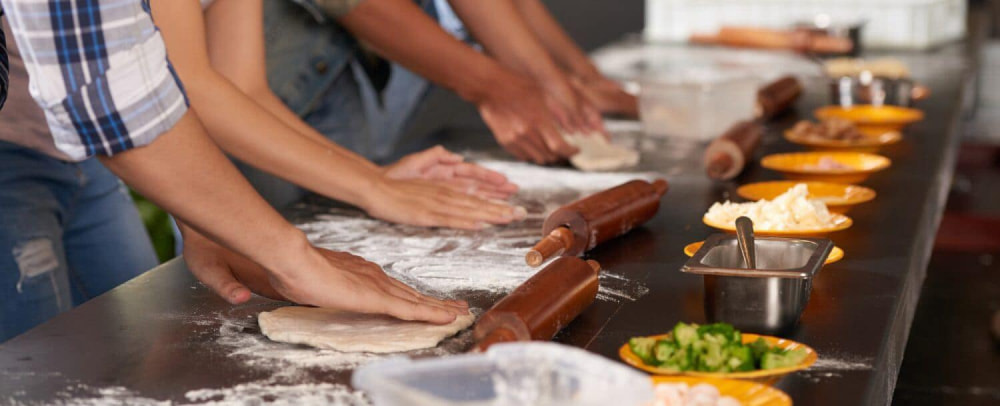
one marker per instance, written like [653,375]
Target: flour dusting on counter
[252,393]
[833,366]
[260,393]
[449,262]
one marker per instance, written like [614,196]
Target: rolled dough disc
[354,332]
[597,154]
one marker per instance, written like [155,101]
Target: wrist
[372,191]
[289,255]
[483,83]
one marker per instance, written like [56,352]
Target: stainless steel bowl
[847,91]
[768,299]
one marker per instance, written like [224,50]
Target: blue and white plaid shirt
[99,70]
[4,64]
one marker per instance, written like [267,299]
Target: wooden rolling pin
[727,155]
[765,38]
[579,226]
[542,305]
[777,96]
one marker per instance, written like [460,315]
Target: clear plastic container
[544,374]
[697,104]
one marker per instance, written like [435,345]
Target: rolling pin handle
[661,187]
[558,241]
[500,335]
[719,165]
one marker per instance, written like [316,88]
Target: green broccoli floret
[680,360]
[723,330]
[740,358]
[712,348]
[759,348]
[772,360]
[642,347]
[664,349]
[685,334]
[714,355]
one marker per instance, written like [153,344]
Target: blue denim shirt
[305,52]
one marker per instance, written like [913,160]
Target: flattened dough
[597,154]
[354,332]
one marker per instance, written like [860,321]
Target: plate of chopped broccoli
[717,350]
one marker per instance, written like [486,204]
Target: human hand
[343,281]
[317,277]
[428,203]
[526,121]
[606,95]
[450,169]
[581,114]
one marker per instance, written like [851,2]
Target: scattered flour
[83,395]
[253,393]
[834,367]
[265,393]
[447,262]
[834,364]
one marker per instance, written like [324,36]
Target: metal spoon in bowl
[744,236]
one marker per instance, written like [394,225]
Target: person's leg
[105,240]
[34,279]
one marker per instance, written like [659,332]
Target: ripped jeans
[68,233]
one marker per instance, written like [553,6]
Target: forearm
[270,102]
[562,48]
[234,46]
[186,174]
[498,25]
[418,43]
[252,134]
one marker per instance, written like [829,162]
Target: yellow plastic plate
[841,222]
[870,143]
[839,198]
[873,120]
[836,254]
[748,393]
[764,376]
[802,166]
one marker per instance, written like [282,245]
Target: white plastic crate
[899,24]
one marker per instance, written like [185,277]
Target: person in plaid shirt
[3,66]
[68,231]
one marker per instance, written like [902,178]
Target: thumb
[422,160]
[220,280]
[447,157]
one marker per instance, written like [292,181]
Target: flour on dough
[354,332]
[597,154]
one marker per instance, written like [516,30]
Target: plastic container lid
[533,373]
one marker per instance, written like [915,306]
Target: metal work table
[148,340]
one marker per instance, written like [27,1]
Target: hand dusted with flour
[453,262]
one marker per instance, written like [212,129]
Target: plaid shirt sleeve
[4,64]
[99,70]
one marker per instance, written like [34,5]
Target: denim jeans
[314,67]
[68,233]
